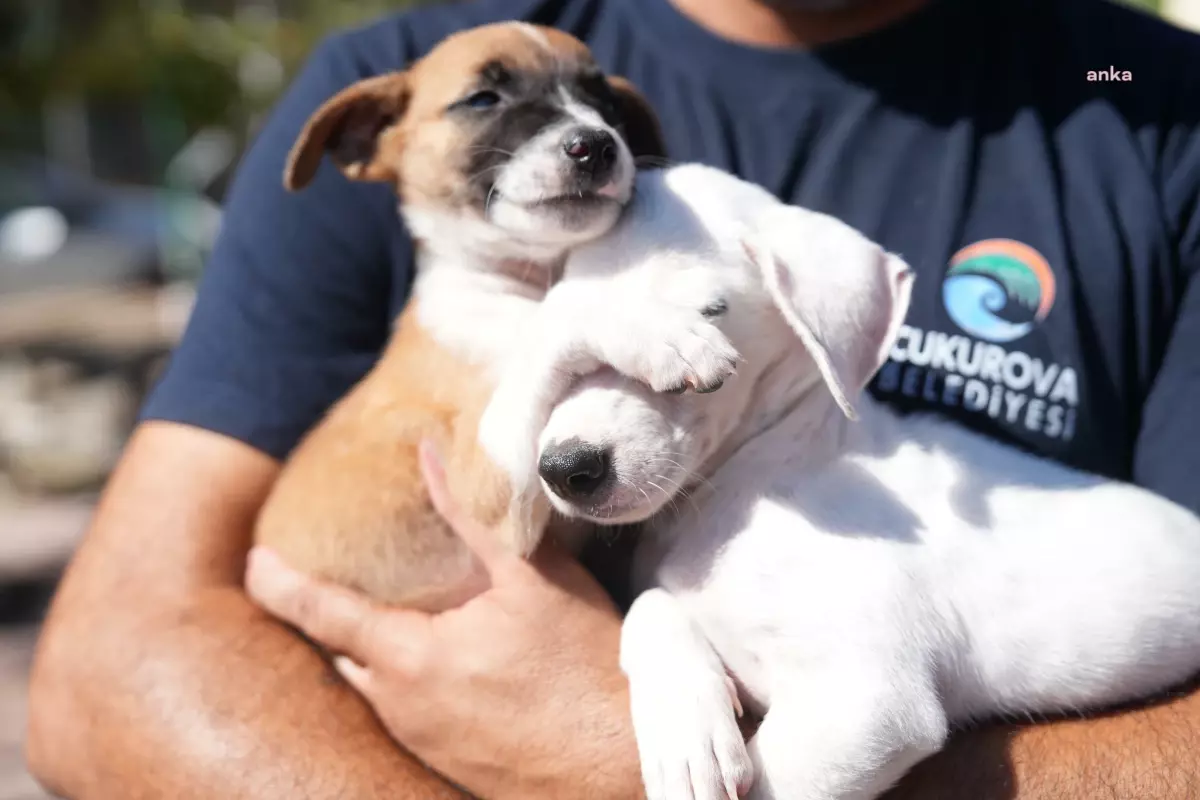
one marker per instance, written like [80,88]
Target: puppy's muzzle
[574,470]
[593,152]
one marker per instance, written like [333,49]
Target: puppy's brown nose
[573,469]
[594,153]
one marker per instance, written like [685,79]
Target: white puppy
[867,584]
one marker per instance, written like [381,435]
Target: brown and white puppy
[507,147]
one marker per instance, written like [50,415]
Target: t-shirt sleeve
[293,306]
[1167,459]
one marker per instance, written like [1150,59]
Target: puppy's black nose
[593,151]
[573,469]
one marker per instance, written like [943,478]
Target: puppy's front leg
[554,352]
[846,734]
[684,704]
[667,341]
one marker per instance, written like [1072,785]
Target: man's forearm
[1145,754]
[156,676]
[228,705]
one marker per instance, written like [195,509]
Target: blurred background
[120,124]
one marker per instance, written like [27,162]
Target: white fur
[517,222]
[867,584]
[677,348]
[481,276]
[478,314]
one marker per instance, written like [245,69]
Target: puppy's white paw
[673,350]
[508,435]
[688,737]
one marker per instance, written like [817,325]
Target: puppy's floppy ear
[639,123]
[843,295]
[349,127]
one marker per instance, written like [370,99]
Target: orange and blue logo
[998,290]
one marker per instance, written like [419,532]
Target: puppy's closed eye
[715,309]
[478,101]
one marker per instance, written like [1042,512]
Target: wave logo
[998,289]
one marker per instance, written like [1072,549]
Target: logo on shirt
[998,290]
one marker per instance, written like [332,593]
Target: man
[1036,161]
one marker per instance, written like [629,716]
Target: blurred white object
[38,537]
[61,432]
[191,219]
[173,304]
[120,322]
[261,73]
[202,160]
[31,234]
[1184,13]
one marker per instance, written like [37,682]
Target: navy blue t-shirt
[1052,215]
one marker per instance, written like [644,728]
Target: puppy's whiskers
[678,493]
[683,486]
[652,162]
[670,496]
[482,149]
[690,479]
[632,485]
[487,202]
[480,173]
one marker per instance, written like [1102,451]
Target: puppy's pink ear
[352,127]
[639,123]
[843,295]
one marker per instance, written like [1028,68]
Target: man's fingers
[355,674]
[482,541]
[342,620]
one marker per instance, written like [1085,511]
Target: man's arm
[156,676]
[1146,754]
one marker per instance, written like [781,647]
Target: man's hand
[516,694]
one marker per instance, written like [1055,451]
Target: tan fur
[415,147]
[349,504]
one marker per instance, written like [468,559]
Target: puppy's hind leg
[844,735]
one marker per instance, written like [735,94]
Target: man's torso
[971,140]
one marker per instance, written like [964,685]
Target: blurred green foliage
[145,48]
[178,65]
[182,61]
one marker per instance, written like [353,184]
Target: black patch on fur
[513,124]
[530,103]
[494,75]
[591,89]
